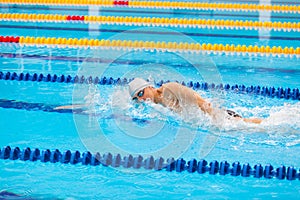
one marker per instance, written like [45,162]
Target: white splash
[280,119]
[288,114]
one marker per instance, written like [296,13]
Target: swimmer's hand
[71,107]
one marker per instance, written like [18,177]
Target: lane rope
[265,91]
[164,5]
[136,12]
[155,21]
[150,163]
[152,45]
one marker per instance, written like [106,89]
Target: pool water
[111,122]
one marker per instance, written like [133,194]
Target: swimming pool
[42,68]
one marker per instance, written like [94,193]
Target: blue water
[112,123]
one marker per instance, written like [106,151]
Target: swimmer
[175,96]
[171,95]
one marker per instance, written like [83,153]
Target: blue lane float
[272,92]
[137,162]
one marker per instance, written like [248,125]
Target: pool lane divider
[158,33]
[280,93]
[150,163]
[155,21]
[147,12]
[235,7]
[153,46]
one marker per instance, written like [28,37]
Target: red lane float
[75,18]
[9,39]
[121,3]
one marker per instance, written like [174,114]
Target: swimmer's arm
[253,120]
[122,117]
[71,107]
[204,105]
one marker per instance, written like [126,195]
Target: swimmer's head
[137,86]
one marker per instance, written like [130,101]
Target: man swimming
[175,97]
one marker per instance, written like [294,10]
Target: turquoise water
[110,125]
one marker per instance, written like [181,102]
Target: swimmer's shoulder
[171,85]
[179,88]
[170,88]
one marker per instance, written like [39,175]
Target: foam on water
[288,114]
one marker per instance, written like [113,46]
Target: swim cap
[136,85]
